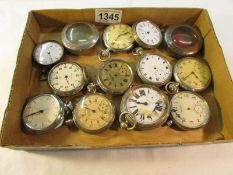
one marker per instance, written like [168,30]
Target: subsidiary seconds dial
[66,78]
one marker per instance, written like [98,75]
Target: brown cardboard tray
[47,24]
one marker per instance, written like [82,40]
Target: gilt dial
[192,74]
[93,113]
[147,104]
[154,69]
[47,53]
[118,37]
[189,110]
[147,34]
[42,113]
[66,78]
[115,76]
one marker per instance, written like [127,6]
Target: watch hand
[196,75]
[40,111]
[141,103]
[92,110]
[188,75]
[66,77]
[121,35]
[50,56]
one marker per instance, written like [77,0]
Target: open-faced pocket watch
[153,68]
[93,113]
[79,37]
[116,38]
[43,113]
[115,76]
[192,74]
[147,34]
[183,40]
[189,110]
[67,78]
[144,107]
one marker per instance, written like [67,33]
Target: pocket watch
[143,107]
[48,53]
[67,78]
[192,73]
[183,40]
[94,112]
[115,76]
[116,38]
[43,113]
[189,110]
[80,36]
[154,69]
[147,34]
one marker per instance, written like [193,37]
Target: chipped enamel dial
[147,34]
[192,73]
[189,110]
[147,104]
[115,76]
[67,78]
[94,113]
[48,53]
[43,113]
[154,69]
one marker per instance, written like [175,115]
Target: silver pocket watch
[144,107]
[67,78]
[93,113]
[43,113]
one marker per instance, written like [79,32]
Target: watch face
[93,113]
[41,112]
[148,33]
[118,37]
[154,69]
[189,110]
[115,76]
[48,53]
[192,74]
[66,78]
[149,105]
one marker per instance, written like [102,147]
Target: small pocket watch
[183,40]
[154,69]
[147,34]
[43,113]
[143,107]
[189,110]
[94,112]
[48,53]
[192,74]
[79,37]
[116,38]
[115,76]
[67,78]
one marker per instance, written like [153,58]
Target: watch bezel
[56,123]
[142,43]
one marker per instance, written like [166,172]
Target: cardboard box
[47,24]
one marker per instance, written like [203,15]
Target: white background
[204,159]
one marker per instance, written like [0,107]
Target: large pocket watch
[67,78]
[143,107]
[153,68]
[117,38]
[115,76]
[43,113]
[192,73]
[93,113]
[189,110]
[147,34]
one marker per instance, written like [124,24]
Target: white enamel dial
[41,112]
[66,78]
[147,105]
[154,69]
[189,110]
[148,33]
[48,53]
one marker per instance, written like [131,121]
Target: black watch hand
[92,110]
[50,56]
[40,111]
[66,77]
[141,103]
